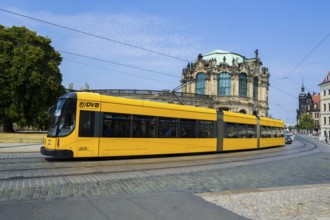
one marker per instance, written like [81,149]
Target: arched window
[200,83]
[255,88]
[224,84]
[242,111]
[243,85]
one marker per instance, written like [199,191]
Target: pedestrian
[326,137]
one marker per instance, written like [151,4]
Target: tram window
[264,132]
[167,127]
[251,131]
[206,129]
[280,132]
[231,130]
[187,128]
[277,132]
[242,131]
[63,119]
[272,132]
[268,132]
[107,121]
[86,125]
[144,126]
[66,123]
[116,125]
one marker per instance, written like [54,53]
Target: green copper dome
[221,56]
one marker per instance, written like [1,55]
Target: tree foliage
[306,122]
[30,79]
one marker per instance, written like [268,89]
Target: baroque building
[236,83]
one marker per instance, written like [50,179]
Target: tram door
[220,131]
[87,144]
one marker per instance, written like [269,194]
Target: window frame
[224,84]
[200,83]
[243,85]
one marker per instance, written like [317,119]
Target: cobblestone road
[303,172]
[312,169]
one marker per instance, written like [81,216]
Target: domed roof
[220,54]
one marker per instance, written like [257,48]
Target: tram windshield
[62,118]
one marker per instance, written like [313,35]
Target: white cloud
[145,31]
[150,32]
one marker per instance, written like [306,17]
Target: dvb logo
[89,105]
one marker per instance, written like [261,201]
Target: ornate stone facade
[236,83]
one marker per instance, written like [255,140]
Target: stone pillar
[234,85]
[192,88]
[213,84]
[259,91]
[263,88]
[250,88]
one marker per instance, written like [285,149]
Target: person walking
[326,137]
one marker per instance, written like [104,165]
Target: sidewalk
[169,206]
[310,202]
[20,147]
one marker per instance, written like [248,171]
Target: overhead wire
[94,35]
[155,52]
[281,106]
[112,70]
[120,64]
[104,38]
[286,77]
[271,103]
[283,92]
[305,57]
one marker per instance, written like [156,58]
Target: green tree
[306,122]
[30,79]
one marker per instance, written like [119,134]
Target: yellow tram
[94,125]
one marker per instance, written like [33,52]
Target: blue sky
[291,36]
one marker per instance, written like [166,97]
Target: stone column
[263,95]
[250,87]
[214,84]
[234,85]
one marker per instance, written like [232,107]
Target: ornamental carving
[238,92]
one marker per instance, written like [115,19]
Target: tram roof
[271,122]
[145,103]
[238,117]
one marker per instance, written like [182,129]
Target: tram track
[100,162]
[145,169]
[11,158]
